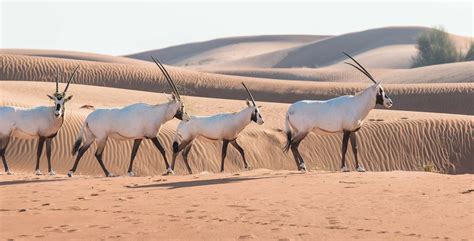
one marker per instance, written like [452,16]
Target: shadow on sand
[17,182]
[198,183]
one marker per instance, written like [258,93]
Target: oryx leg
[224,153]
[353,139]
[38,154]
[48,155]
[3,150]
[345,141]
[176,149]
[80,153]
[185,157]
[158,145]
[98,156]
[241,151]
[295,143]
[136,145]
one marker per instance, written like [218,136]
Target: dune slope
[391,140]
[224,49]
[447,98]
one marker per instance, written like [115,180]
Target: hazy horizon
[120,28]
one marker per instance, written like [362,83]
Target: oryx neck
[365,102]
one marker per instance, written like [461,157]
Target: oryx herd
[141,121]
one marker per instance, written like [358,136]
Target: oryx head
[175,97]
[381,97]
[60,98]
[256,116]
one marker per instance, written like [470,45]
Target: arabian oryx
[225,127]
[134,122]
[43,122]
[341,114]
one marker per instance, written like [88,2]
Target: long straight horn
[361,69]
[70,79]
[250,94]
[57,79]
[167,77]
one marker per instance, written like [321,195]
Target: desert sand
[410,151]
[253,205]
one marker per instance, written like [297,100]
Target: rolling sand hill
[462,72]
[71,55]
[225,49]
[447,98]
[388,48]
[391,140]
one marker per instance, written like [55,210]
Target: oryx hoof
[360,169]
[38,172]
[70,173]
[168,172]
[9,172]
[302,167]
[109,175]
[52,173]
[345,169]
[247,168]
[131,174]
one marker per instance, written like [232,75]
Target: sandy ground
[253,205]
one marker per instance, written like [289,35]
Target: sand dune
[391,140]
[447,98]
[225,49]
[74,55]
[462,72]
[255,205]
[390,47]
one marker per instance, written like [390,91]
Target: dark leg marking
[177,150]
[345,141]
[39,152]
[98,156]
[185,157]
[158,145]
[296,153]
[241,151]
[224,153]
[3,150]
[353,139]
[48,153]
[136,145]
[80,153]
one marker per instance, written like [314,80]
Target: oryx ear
[260,107]
[52,98]
[248,102]
[378,83]
[68,98]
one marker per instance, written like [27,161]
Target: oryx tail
[289,134]
[79,139]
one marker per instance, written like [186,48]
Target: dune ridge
[461,72]
[178,55]
[73,55]
[447,98]
[390,140]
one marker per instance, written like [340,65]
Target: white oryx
[134,122]
[341,114]
[43,122]
[223,127]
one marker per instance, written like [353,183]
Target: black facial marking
[58,106]
[253,117]
[179,115]
[379,99]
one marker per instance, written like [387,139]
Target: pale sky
[125,27]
